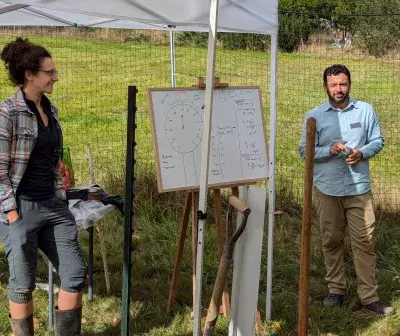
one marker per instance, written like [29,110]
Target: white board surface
[238,151]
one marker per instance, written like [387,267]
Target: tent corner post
[212,36]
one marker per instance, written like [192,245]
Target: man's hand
[337,148]
[354,157]
[12,216]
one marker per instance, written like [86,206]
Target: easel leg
[195,207]
[179,251]
[226,307]
[235,191]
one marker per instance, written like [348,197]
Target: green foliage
[321,7]
[225,40]
[293,30]
[191,39]
[244,41]
[379,34]
[137,38]
[342,12]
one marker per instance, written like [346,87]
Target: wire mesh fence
[97,65]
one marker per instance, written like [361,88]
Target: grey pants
[49,226]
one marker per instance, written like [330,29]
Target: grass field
[91,96]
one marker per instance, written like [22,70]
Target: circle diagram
[184,127]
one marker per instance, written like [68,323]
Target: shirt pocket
[25,138]
[357,132]
[25,126]
[24,132]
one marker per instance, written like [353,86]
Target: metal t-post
[128,211]
[304,286]
[272,160]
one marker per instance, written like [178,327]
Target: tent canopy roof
[241,16]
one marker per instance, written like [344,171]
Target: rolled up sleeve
[375,139]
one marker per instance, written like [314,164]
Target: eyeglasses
[52,73]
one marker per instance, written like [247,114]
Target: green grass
[91,96]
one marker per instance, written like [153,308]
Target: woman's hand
[12,216]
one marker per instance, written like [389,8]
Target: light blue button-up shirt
[356,126]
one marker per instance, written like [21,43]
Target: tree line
[373,25]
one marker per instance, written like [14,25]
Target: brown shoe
[380,308]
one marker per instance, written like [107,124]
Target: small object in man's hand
[347,152]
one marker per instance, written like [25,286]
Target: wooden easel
[191,204]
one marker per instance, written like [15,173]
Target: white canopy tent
[240,16]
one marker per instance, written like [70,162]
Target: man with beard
[348,135]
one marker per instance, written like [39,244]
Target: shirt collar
[31,104]
[328,106]
[20,102]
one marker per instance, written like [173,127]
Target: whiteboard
[238,151]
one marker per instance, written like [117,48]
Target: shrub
[293,29]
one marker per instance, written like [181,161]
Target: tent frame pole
[173,57]
[202,212]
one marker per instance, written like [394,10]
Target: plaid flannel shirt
[18,135]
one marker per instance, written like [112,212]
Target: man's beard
[339,101]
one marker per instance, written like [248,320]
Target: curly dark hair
[21,55]
[335,70]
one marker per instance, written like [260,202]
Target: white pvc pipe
[272,160]
[172,51]
[212,35]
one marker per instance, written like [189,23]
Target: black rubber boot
[22,327]
[68,322]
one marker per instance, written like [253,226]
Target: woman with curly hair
[34,210]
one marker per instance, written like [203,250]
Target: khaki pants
[358,213]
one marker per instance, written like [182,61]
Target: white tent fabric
[245,16]
[25,15]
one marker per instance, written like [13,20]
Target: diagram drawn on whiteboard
[184,130]
[184,127]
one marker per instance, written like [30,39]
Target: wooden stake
[179,251]
[306,230]
[235,191]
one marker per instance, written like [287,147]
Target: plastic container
[94,194]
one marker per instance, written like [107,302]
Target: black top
[37,184]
